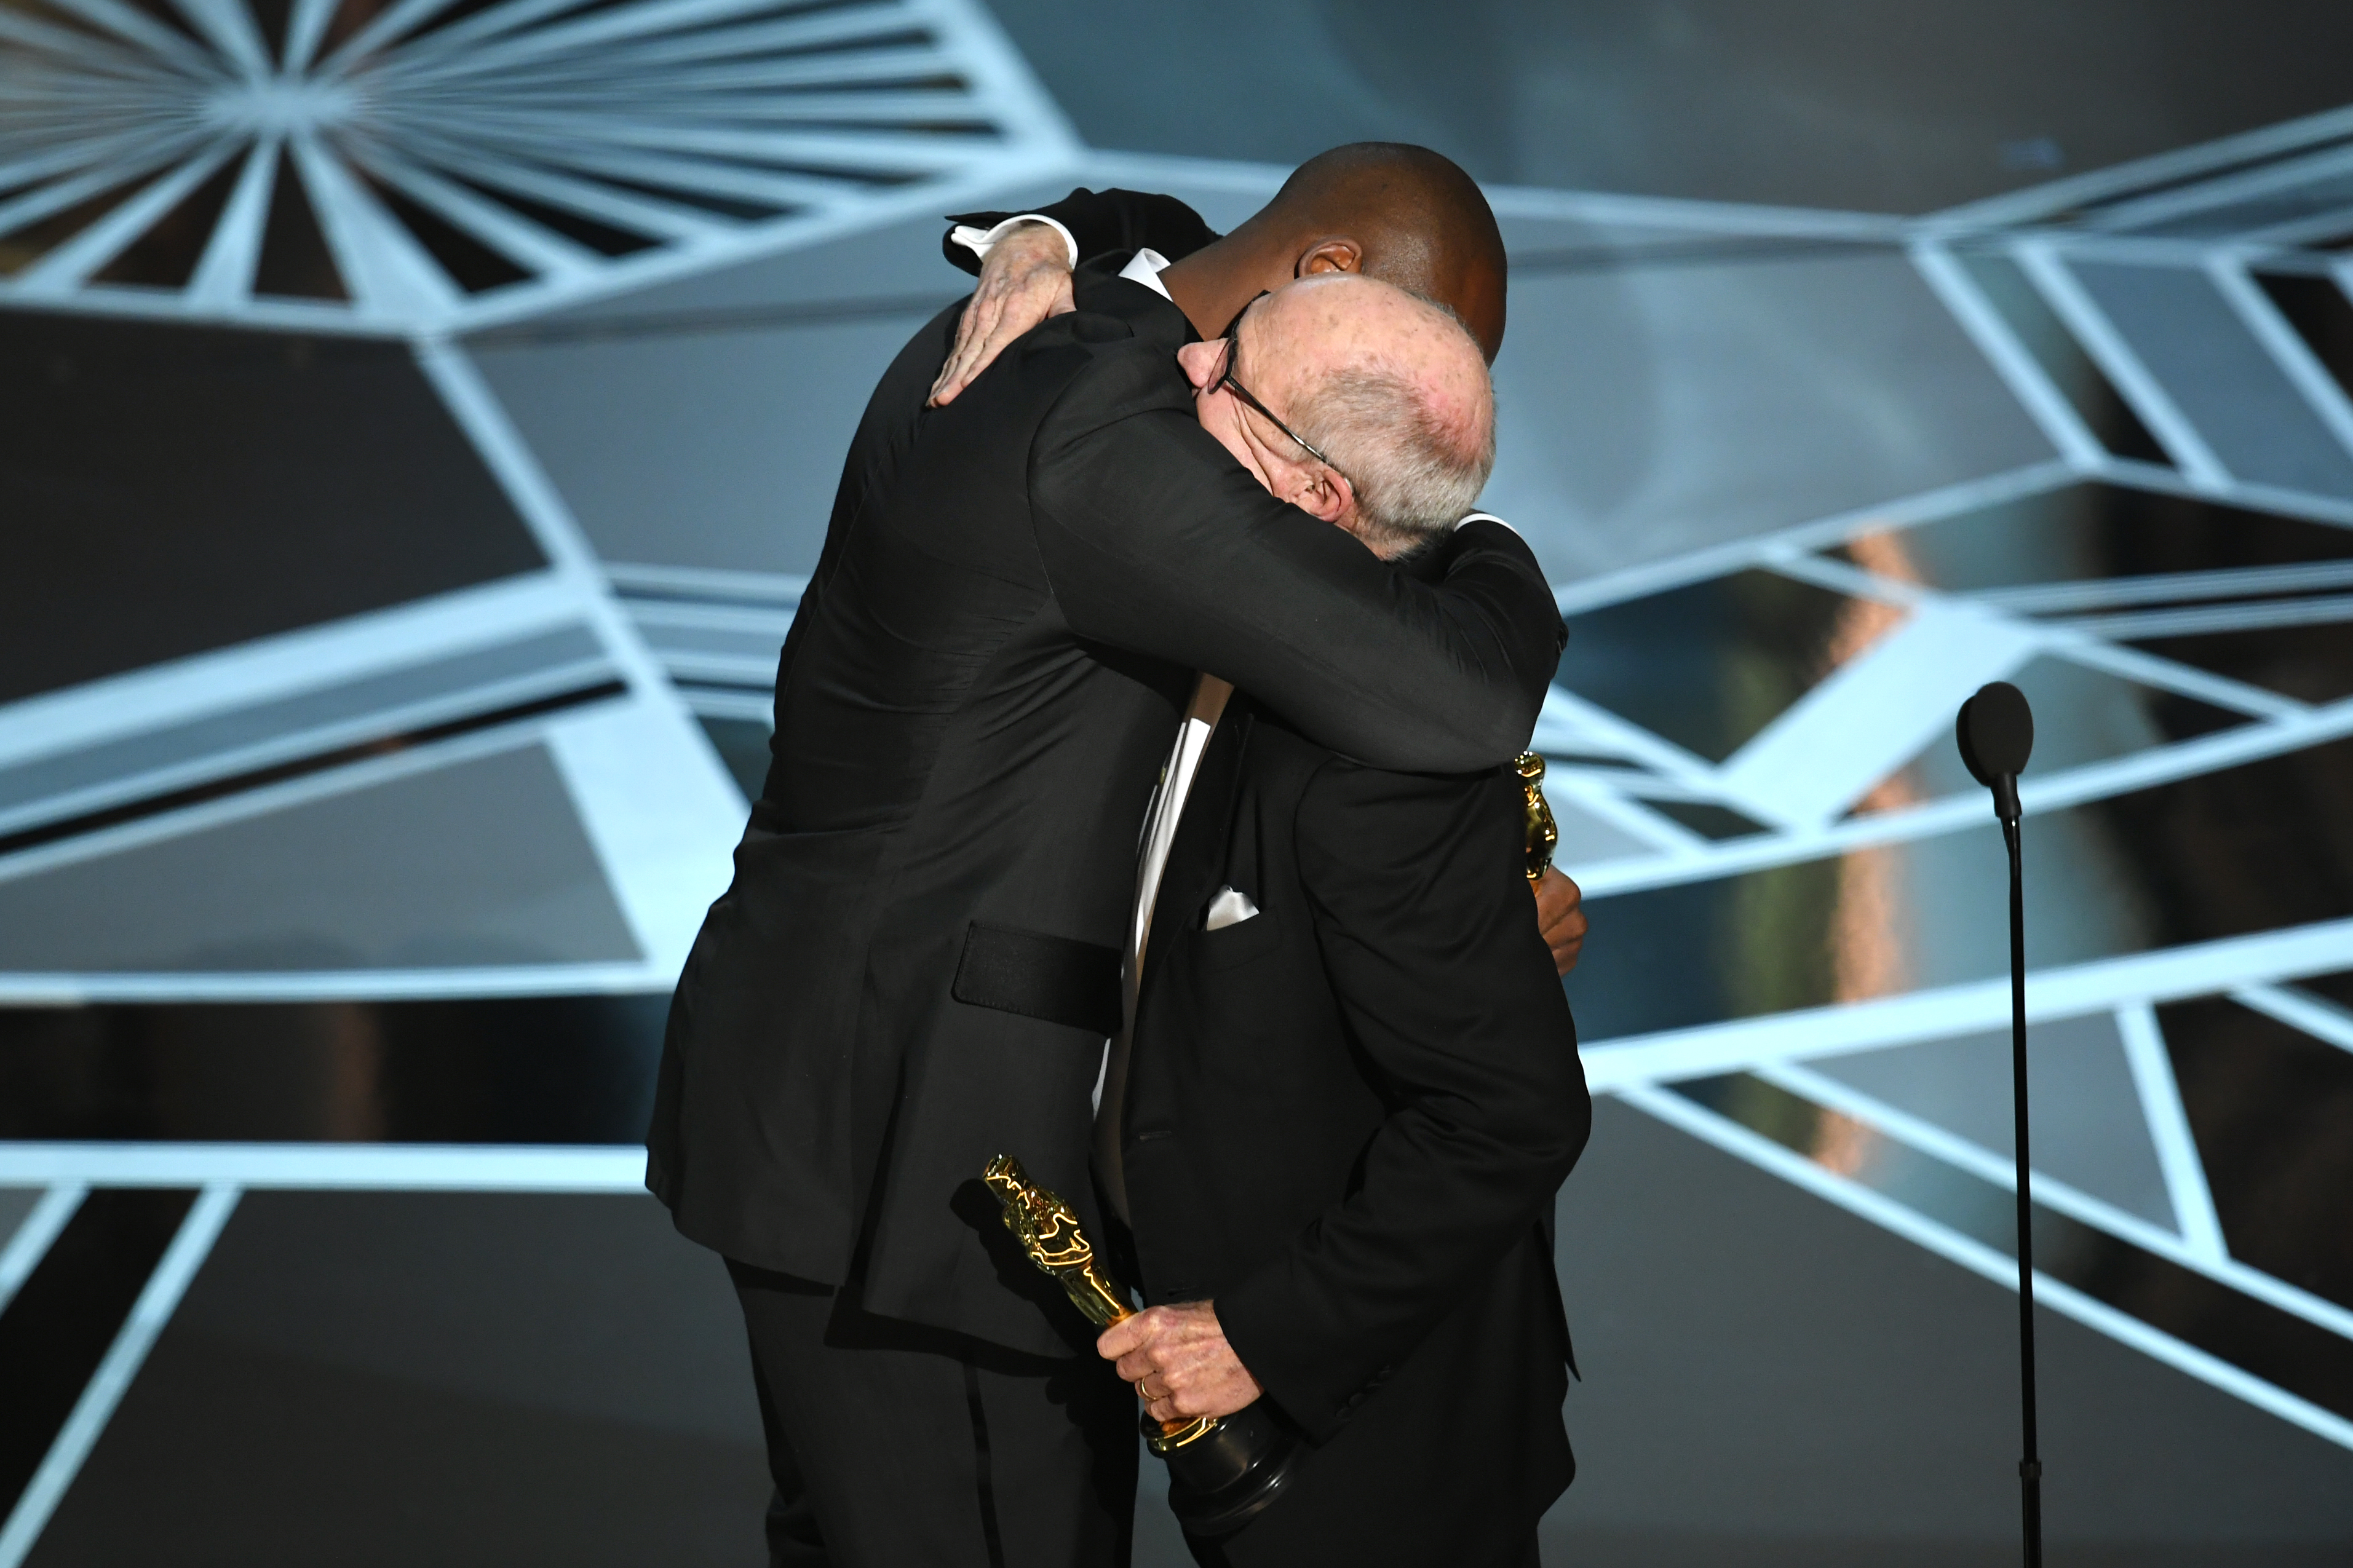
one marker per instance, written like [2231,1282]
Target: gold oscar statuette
[1222,1469]
[1543,834]
[1049,1233]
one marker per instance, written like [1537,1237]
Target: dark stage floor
[417,424]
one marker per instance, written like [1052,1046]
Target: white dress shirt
[1208,705]
[981,241]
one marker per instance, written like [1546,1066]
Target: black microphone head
[1995,731]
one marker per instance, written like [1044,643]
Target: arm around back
[1421,911]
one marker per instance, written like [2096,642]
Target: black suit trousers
[895,1446]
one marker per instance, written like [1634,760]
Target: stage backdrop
[417,421]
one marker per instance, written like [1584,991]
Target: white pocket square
[1229,908]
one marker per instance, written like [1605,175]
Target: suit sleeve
[1422,912]
[1158,542]
[884,432]
[1102,222]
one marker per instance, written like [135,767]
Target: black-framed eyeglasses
[1233,339]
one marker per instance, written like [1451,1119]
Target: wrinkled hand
[1025,279]
[1178,1360]
[1560,915]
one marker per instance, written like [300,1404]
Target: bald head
[1383,209]
[1386,415]
[1419,221]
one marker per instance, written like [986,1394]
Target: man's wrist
[980,242]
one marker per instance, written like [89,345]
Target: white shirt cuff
[1486,516]
[981,241]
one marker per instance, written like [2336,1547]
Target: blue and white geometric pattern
[2170,585]
[2156,540]
[440,162]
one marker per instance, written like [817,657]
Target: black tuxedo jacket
[1102,222]
[1347,1118]
[917,962]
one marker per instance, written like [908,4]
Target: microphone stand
[2029,1468]
[1995,732]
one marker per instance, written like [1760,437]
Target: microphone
[1995,730]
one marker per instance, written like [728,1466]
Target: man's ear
[1336,254]
[1326,496]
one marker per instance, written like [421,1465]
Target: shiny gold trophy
[1223,1470]
[1543,834]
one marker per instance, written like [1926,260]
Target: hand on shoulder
[1025,279]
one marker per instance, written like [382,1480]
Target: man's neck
[1213,284]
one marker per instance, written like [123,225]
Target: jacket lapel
[1198,857]
[1099,288]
